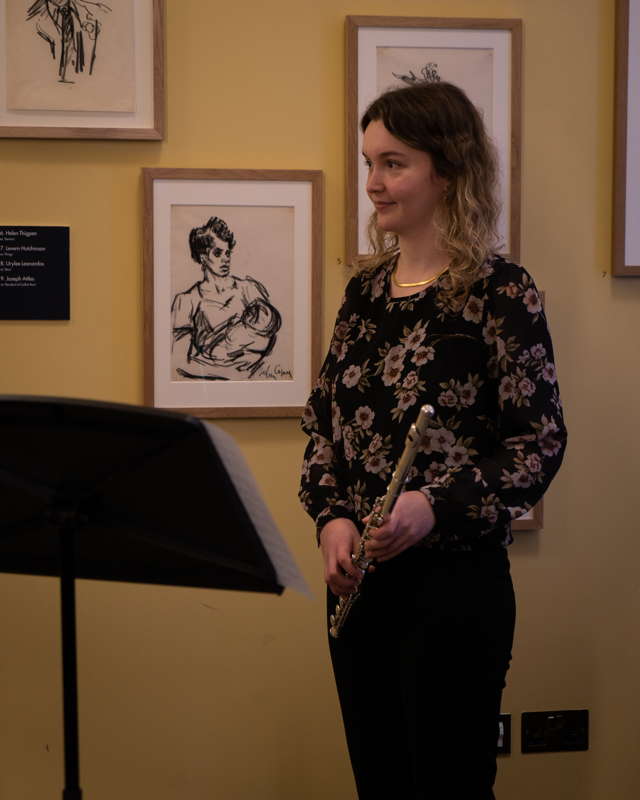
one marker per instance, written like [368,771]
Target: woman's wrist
[335,524]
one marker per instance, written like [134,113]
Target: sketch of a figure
[71,29]
[223,326]
[429,74]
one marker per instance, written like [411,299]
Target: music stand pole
[72,790]
[105,491]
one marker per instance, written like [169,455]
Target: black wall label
[34,272]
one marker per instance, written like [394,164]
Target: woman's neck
[216,283]
[420,257]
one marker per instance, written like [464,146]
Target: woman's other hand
[410,521]
[339,539]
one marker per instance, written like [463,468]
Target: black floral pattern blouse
[497,437]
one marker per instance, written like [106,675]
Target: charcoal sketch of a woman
[223,326]
[71,30]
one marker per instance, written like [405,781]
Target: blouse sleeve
[181,314]
[321,488]
[486,493]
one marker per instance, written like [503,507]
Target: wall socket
[504,735]
[555,731]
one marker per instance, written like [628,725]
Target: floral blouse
[497,437]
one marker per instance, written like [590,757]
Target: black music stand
[124,493]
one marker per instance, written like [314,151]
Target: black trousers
[420,667]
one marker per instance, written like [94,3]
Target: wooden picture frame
[49,92]
[372,45]
[626,186]
[232,265]
[532,520]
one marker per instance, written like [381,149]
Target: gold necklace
[425,282]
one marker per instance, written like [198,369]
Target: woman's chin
[386,225]
[382,218]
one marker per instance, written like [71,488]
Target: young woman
[433,317]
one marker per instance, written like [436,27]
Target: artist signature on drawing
[273,372]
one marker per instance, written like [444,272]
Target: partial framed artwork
[482,56]
[531,521]
[75,69]
[232,266]
[626,189]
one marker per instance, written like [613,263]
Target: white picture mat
[200,394]
[369,39]
[142,117]
[632,205]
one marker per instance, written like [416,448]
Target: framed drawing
[531,521]
[232,290]
[626,189]
[482,56]
[80,69]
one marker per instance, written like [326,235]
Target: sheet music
[286,569]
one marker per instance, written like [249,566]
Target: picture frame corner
[532,521]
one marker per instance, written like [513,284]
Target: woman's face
[402,183]
[217,259]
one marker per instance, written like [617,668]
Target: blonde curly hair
[439,119]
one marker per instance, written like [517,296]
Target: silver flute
[381,507]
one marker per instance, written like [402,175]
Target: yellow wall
[201,694]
